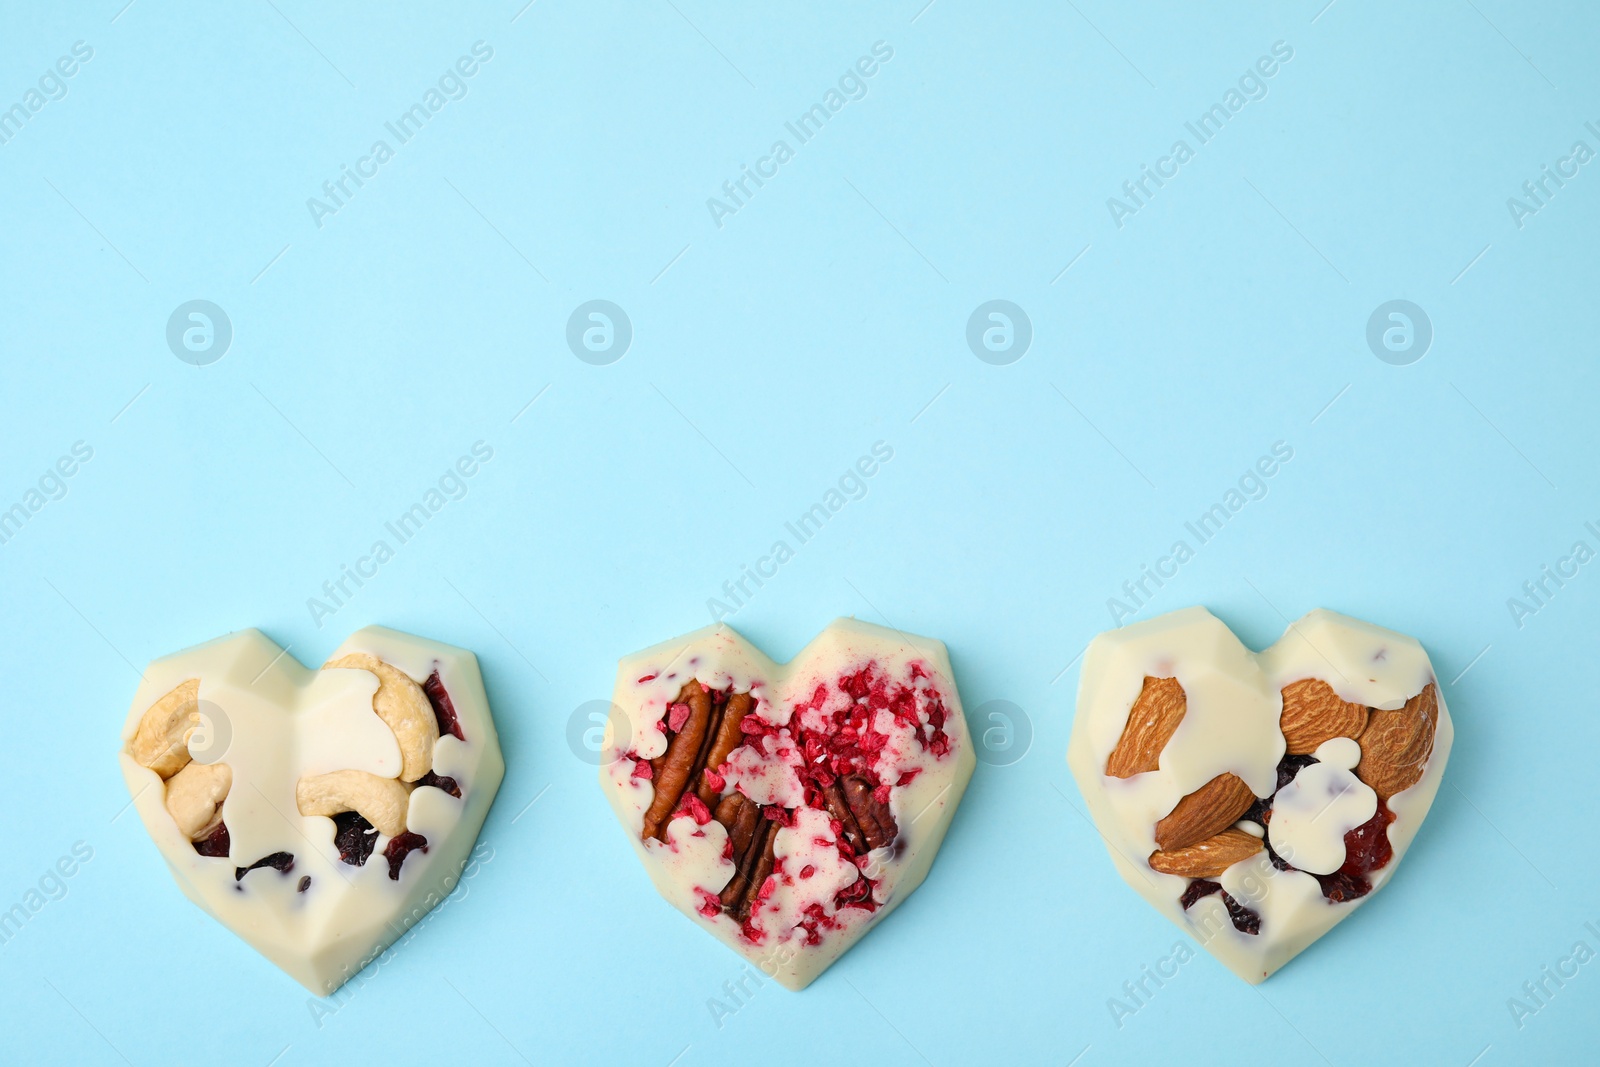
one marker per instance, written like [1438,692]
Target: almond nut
[1151,723]
[1209,810]
[1395,745]
[1313,713]
[1209,858]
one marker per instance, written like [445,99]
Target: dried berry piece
[1245,920]
[354,837]
[214,844]
[401,846]
[1366,849]
[1290,766]
[443,710]
[1198,889]
[305,883]
[440,782]
[281,861]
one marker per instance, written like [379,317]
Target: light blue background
[769,353]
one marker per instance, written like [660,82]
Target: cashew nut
[162,740]
[195,795]
[380,801]
[400,703]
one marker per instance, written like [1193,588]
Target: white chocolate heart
[264,724]
[828,882]
[1231,725]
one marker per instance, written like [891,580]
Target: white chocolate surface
[281,721]
[1234,702]
[810,870]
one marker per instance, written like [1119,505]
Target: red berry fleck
[677,715]
[643,770]
[807,871]
[715,781]
[695,808]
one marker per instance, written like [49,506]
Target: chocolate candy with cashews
[787,808]
[1257,799]
[315,813]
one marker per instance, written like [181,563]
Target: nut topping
[1209,858]
[381,801]
[1151,723]
[1209,810]
[1396,744]
[404,707]
[1313,713]
[162,740]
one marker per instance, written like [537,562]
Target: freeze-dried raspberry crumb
[695,808]
[677,715]
[807,871]
[400,846]
[715,781]
[907,777]
[643,770]
[782,816]
[710,904]
[647,678]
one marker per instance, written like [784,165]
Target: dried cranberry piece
[1340,887]
[443,710]
[447,784]
[399,848]
[1366,849]
[354,837]
[305,883]
[1244,919]
[1198,889]
[215,843]
[282,861]
[1290,766]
